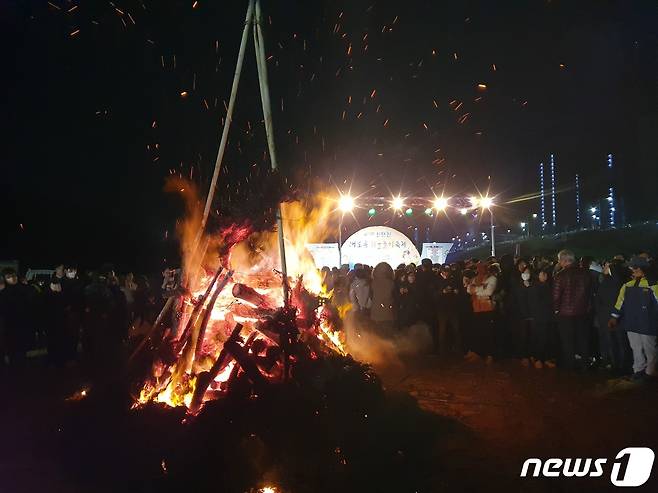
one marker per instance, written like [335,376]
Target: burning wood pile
[237,333]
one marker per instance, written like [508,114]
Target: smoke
[386,350]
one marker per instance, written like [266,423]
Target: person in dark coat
[427,287]
[540,310]
[73,291]
[613,344]
[520,312]
[16,310]
[103,338]
[407,298]
[449,337]
[55,322]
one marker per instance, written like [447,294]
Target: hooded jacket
[637,306]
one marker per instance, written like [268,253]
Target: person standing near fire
[637,308]
[360,296]
[17,313]
[449,330]
[571,302]
[382,298]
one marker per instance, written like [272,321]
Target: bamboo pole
[227,123]
[261,64]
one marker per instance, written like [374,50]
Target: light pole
[345,205]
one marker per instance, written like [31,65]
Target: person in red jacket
[571,303]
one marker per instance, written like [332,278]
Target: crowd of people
[545,312]
[71,315]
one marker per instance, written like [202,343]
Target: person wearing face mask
[16,311]
[523,322]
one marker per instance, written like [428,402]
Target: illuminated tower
[542,197]
[577,200]
[611,199]
[553,209]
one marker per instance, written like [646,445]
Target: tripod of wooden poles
[253,22]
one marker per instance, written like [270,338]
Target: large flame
[254,263]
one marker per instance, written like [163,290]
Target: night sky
[105,100]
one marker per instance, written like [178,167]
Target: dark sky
[94,120]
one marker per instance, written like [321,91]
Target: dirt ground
[516,413]
[503,414]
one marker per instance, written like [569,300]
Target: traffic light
[372,212]
[409,211]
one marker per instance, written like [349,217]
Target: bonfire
[245,325]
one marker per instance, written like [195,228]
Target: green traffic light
[409,211]
[372,211]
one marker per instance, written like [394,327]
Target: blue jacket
[637,305]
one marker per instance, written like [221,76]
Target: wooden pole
[261,64]
[227,123]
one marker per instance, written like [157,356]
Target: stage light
[345,203]
[397,203]
[440,203]
[372,212]
[486,202]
